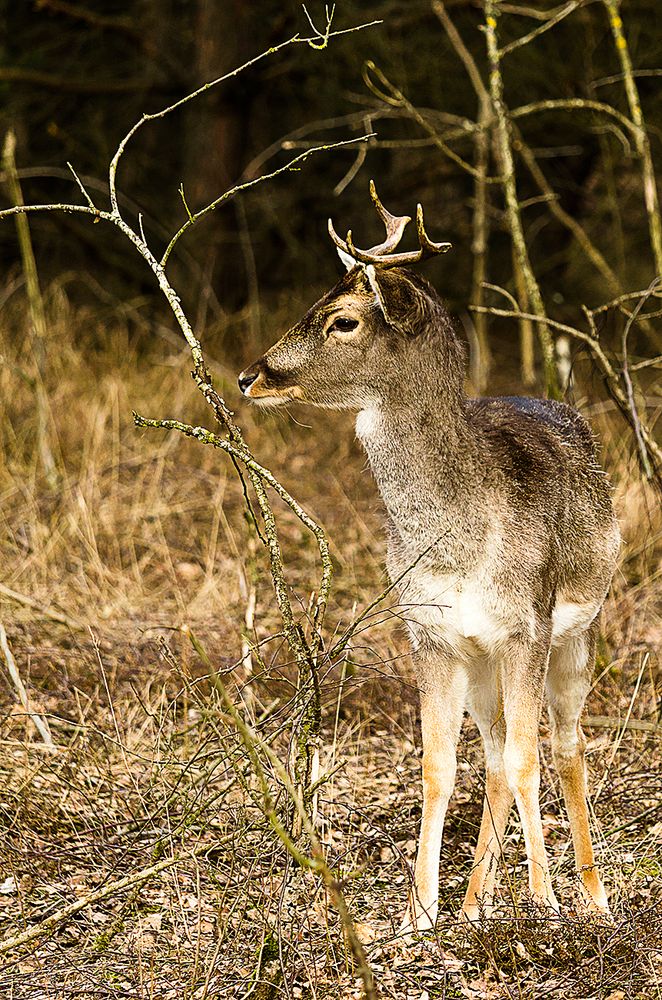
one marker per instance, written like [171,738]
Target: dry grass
[145,533]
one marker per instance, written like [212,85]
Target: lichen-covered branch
[480,228]
[643,144]
[507,169]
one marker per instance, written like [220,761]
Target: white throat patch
[367,422]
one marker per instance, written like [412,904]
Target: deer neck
[423,453]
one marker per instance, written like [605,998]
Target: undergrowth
[142,535]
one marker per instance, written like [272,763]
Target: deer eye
[344,325]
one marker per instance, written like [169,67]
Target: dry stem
[641,135]
[507,165]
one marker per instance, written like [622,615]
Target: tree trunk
[216,134]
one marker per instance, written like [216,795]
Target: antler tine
[350,244]
[340,243]
[382,255]
[428,248]
[394,224]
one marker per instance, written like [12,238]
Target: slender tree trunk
[507,167]
[37,313]
[643,143]
[217,130]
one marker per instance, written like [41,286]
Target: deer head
[349,351]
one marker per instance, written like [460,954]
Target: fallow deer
[501,534]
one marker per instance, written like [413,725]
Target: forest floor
[143,533]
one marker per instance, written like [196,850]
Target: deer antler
[382,255]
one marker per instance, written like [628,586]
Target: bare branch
[313,41]
[82,187]
[564,217]
[651,199]
[553,20]
[246,185]
[396,99]
[576,104]
[620,77]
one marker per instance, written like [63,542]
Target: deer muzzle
[262,382]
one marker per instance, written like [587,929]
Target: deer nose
[246,379]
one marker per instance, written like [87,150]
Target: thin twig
[576,104]
[294,40]
[553,20]
[567,220]
[37,720]
[82,187]
[394,97]
[246,185]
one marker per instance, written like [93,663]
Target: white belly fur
[463,615]
[570,619]
[452,612]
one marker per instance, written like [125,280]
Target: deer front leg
[524,672]
[486,709]
[443,686]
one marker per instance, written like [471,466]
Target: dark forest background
[74,77]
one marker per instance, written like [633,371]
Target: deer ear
[371,275]
[404,307]
[348,261]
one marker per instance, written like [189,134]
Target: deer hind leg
[568,682]
[443,685]
[486,708]
[524,669]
